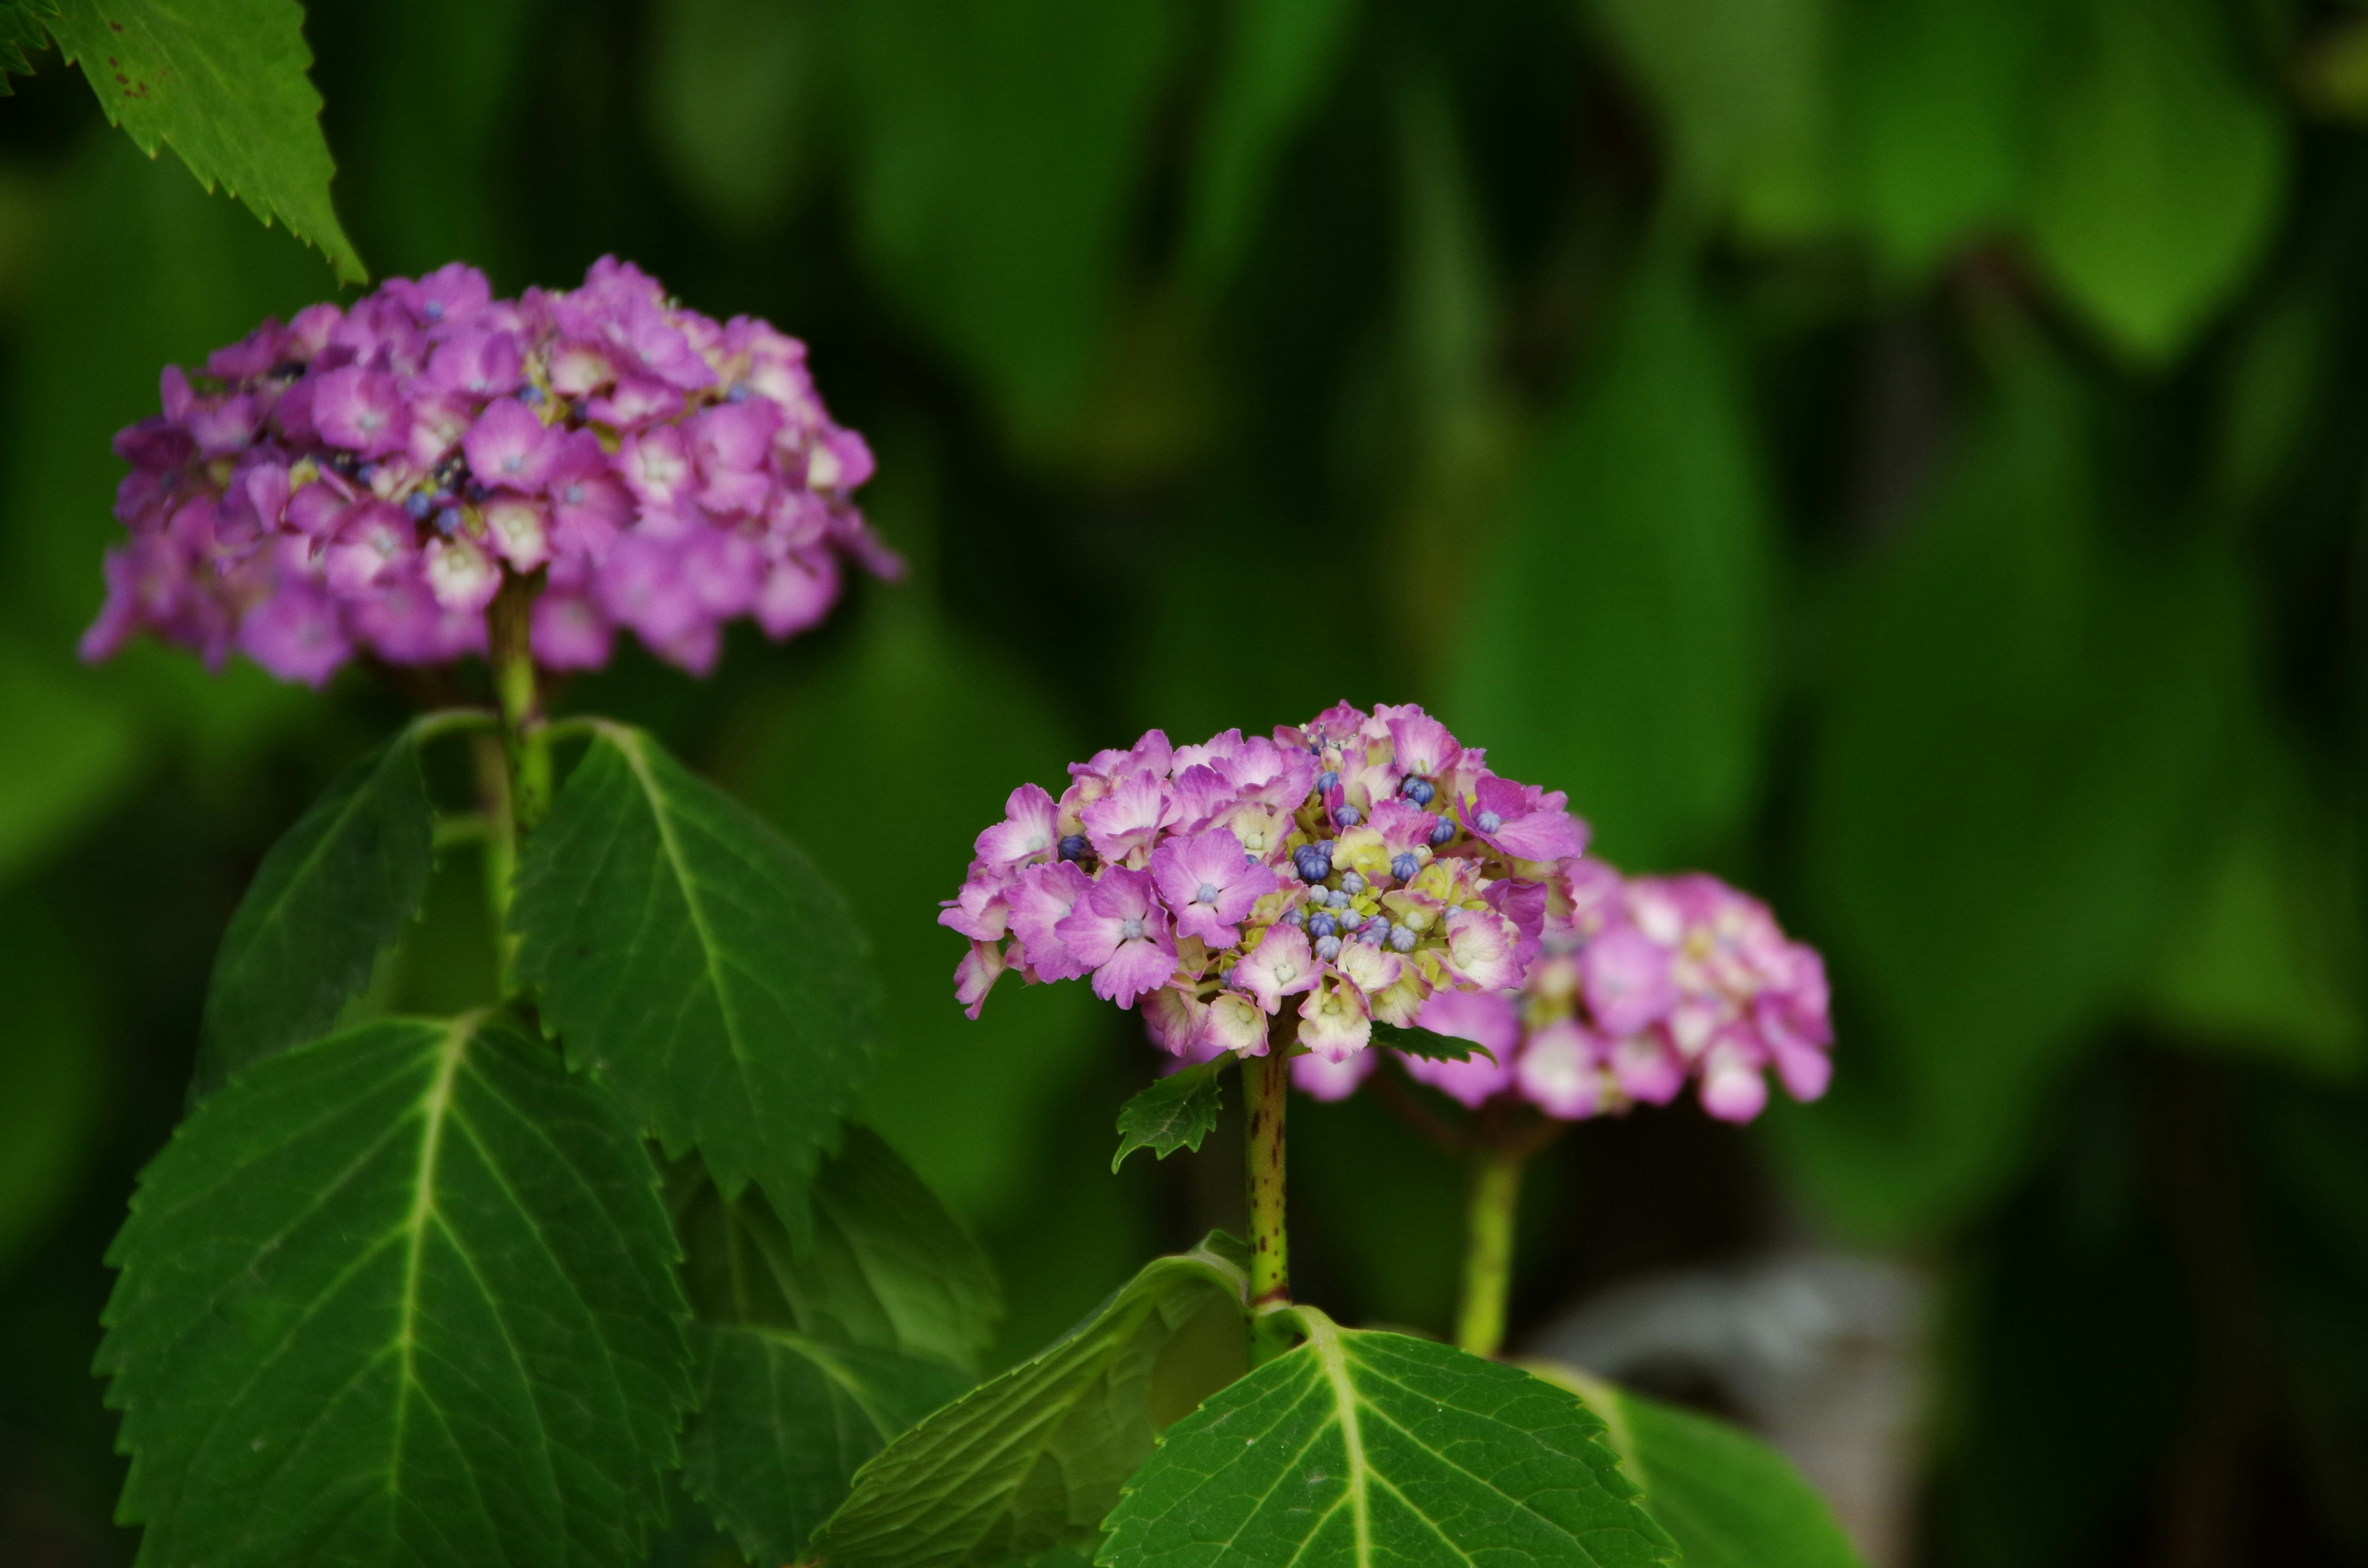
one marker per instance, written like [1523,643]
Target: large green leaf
[784,1423]
[332,895]
[1361,1448]
[693,959]
[403,1295]
[1033,1459]
[1728,1499]
[882,1266]
[224,83]
[1176,1112]
[1620,645]
[2162,170]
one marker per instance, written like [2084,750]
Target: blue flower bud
[531,394]
[1326,781]
[1226,976]
[739,393]
[1321,924]
[1348,920]
[418,505]
[1487,821]
[1402,866]
[1417,789]
[448,521]
[1348,816]
[1074,847]
[1327,948]
[1313,861]
[1294,918]
[1351,883]
[1440,832]
[1376,932]
[1403,939]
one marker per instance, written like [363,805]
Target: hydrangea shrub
[521,1285]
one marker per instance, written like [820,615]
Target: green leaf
[784,1423]
[882,1266]
[695,961]
[71,755]
[1279,57]
[1620,644]
[1423,1042]
[332,895]
[2161,174]
[1359,1447]
[1729,1500]
[402,1295]
[225,84]
[21,35]
[1033,1459]
[732,91]
[1176,1112]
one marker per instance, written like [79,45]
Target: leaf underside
[1362,1449]
[1032,1461]
[225,84]
[403,1295]
[695,961]
[332,895]
[1176,1112]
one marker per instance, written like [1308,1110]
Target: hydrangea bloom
[365,479]
[1638,985]
[1352,870]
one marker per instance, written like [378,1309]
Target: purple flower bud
[1074,847]
[1297,917]
[1417,789]
[1349,920]
[1351,883]
[1402,866]
[1326,781]
[1313,861]
[1348,816]
[1321,924]
[419,503]
[1487,821]
[1327,947]
[1441,832]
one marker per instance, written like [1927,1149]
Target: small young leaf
[1424,1043]
[1176,1112]
[1729,1499]
[784,1423]
[1033,1459]
[695,961]
[331,896]
[225,84]
[401,1295]
[882,1266]
[1360,1449]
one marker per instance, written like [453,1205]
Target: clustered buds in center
[364,479]
[1365,869]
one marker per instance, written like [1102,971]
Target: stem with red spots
[1266,1089]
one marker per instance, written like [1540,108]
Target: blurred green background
[1907,456]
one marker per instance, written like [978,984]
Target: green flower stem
[1498,1158]
[523,743]
[1266,1090]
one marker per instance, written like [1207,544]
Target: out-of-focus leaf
[884,1266]
[1034,1459]
[1619,647]
[1279,55]
[1936,99]
[695,961]
[784,1422]
[731,92]
[1729,1499]
[2271,394]
[999,140]
[71,755]
[2161,170]
[931,733]
[1742,90]
[1176,1112]
[21,35]
[1360,1449]
[50,1057]
[2264,960]
[2024,725]
[225,84]
[404,1294]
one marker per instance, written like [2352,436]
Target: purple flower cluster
[366,479]
[1377,871]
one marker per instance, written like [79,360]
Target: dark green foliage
[402,1295]
[1361,1449]
[21,35]
[692,958]
[1176,1112]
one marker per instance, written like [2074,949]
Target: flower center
[1488,822]
[1205,894]
[1131,930]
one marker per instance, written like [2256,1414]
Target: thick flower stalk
[367,480]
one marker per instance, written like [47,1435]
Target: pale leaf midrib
[435,1106]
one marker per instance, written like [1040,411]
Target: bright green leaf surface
[403,1295]
[1176,1112]
[2162,171]
[1620,647]
[332,895]
[1729,1500]
[784,1422]
[882,1265]
[694,960]
[1033,1459]
[224,83]
[1364,1448]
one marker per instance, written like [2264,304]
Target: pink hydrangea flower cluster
[1376,871]
[366,479]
